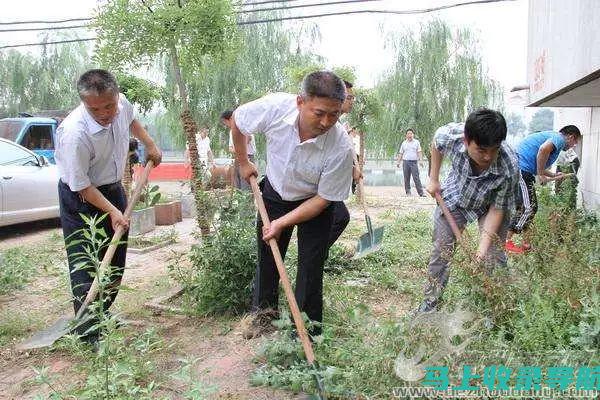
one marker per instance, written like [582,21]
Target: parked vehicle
[28,185]
[36,133]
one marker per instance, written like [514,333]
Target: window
[38,137]
[10,129]
[11,154]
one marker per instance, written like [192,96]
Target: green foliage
[515,125]
[366,111]
[134,33]
[45,82]
[542,120]
[223,263]
[437,77]
[542,310]
[19,264]
[138,91]
[149,197]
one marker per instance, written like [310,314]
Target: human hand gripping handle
[119,231]
[283,274]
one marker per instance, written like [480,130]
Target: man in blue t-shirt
[537,152]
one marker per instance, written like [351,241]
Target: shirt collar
[292,120]
[494,169]
[93,126]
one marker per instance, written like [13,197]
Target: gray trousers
[238,181]
[443,248]
[411,168]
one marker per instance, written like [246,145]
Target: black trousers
[313,247]
[341,218]
[71,205]
[527,204]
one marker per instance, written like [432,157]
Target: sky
[355,40]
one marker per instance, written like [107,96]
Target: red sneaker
[511,247]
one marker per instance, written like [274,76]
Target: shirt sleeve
[419,146]
[506,196]
[127,108]
[256,116]
[446,136]
[336,179]
[558,141]
[76,159]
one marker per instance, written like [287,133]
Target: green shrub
[223,264]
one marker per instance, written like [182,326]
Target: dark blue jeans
[71,206]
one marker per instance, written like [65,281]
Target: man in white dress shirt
[92,147]
[309,166]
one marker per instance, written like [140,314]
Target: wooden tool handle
[110,252]
[448,216]
[285,281]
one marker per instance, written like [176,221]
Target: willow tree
[44,81]
[437,77]
[136,33]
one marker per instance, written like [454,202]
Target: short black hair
[348,84]
[96,82]
[323,84]
[226,114]
[486,127]
[571,130]
[410,130]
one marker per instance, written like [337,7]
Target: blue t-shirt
[529,147]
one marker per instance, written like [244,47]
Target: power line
[305,6]
[51,28]
[58,21]
[278,19]
[393,12]
[54,28]
[45,43]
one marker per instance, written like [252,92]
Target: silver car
[28,185]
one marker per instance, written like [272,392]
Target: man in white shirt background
[409,154]
[309,166]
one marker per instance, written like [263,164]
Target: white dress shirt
[89,154]
[297,171]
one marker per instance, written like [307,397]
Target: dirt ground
[225,358]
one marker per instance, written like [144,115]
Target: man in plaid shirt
[482,184]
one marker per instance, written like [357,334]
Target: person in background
[409,154]
[238,182]
[537,152]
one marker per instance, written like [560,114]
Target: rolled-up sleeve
[75,160]
[336,179]
[446,136]
[256,116]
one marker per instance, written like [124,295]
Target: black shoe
[427,306]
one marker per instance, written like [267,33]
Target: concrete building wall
[563,66]
[590,168]
[563,45]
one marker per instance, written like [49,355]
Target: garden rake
[289,293]
[371,241]
[66,324]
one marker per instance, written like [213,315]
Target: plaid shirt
[472,194]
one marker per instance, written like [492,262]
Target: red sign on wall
[539,72]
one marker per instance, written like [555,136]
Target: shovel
[65,325]
[371,241]
[289,293]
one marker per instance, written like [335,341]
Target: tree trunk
[361,162]
[127,178]
[190,128]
